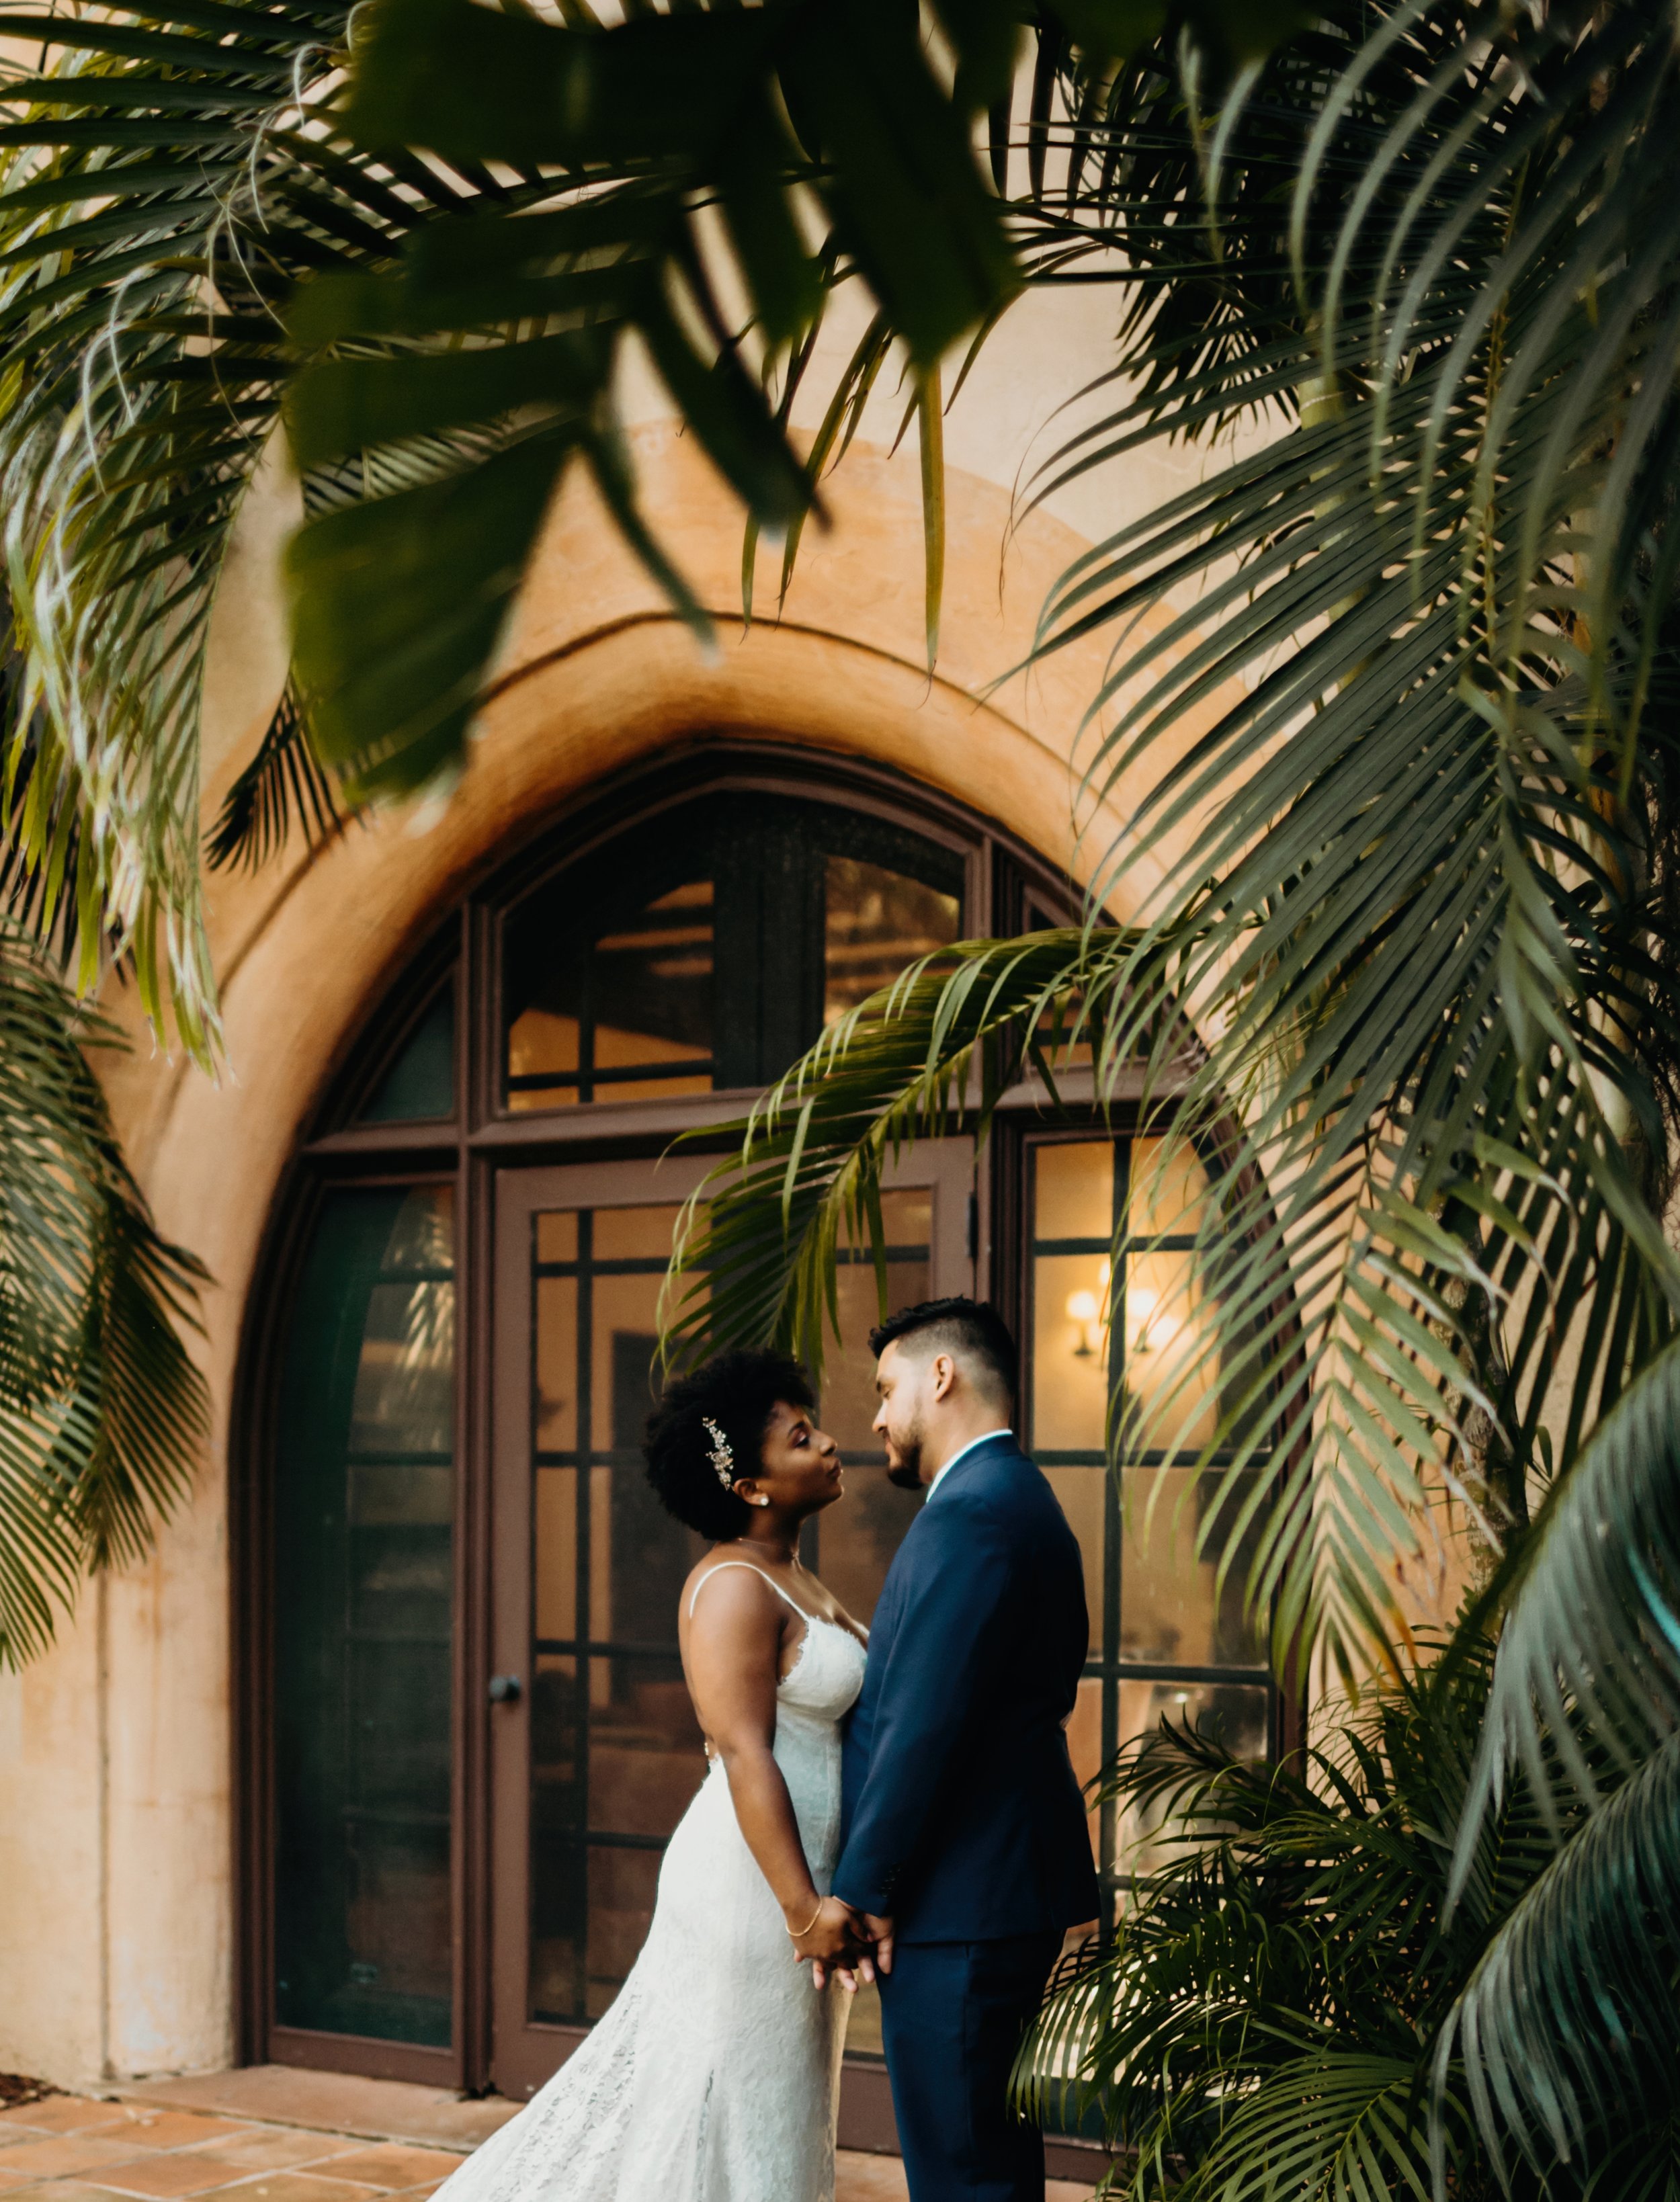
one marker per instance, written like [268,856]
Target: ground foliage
[1278,2013]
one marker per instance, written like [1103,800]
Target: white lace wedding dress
[713,2076]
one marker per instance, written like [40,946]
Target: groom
[965,1846]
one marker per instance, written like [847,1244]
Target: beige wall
[116,1911]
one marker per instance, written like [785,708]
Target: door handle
[504,1689]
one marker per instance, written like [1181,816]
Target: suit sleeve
[939,1674]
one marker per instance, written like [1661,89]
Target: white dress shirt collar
[1002,1430]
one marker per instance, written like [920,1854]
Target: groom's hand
[832,1940]
[876,1956]
[880,1932]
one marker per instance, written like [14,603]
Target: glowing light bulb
[1085,1312]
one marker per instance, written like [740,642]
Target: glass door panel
[364,1584]
[1118,1318]
[615,1754]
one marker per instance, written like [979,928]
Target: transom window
[712,950]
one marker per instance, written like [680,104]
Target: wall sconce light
[1141,1306]
[1085,1313]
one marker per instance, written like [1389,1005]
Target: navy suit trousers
[952,2014]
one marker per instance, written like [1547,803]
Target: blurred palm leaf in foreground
[102,1411]
[707,180]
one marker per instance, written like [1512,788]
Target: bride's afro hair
[739,1391]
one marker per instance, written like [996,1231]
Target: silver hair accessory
[720,1456]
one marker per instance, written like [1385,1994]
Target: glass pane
[625,1330]
[556,1374]
[630,991]
[557,1235]
[1172,1613]
[554,1569]
[420,1084]
[615,1752]
[875,922]
[1169,1373]
[556,1857]
[1070,1353]
[635,1234]
[1072,1207]
[1082,1494]
[646,1755]
[622,1884]
[708,947]
[1238,1714]
[1168,1190]
[1073,1192]
[1085,1747]
[363,1533]
[852,1544]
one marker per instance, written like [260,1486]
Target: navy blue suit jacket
[962,1819]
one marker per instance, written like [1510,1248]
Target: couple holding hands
[897,1805]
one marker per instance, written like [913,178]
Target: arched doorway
[469,1738]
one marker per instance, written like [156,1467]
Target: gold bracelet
[799,1936]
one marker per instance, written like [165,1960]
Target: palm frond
[283,787]
[1569,2028]
[101,1410]
[1263,2023]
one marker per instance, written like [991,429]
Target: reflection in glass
[1238,1714]
[852,1544]
[710,951]
[363,1532]
[1174,1612]
[875,921]
[420,1085]
[627,1018]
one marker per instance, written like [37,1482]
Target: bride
[714,2075]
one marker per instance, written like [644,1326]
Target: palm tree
[1412,973]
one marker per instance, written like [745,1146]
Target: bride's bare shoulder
[743,1591]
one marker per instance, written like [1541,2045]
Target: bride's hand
[833,1941]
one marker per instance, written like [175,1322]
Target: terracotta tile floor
[71,2148]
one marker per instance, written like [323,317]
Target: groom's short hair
[970,1331]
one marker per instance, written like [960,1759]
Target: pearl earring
[759,1502]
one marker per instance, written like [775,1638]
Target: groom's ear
[943,1370]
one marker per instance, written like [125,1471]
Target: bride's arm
[734,1650]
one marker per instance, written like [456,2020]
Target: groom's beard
[906,1470]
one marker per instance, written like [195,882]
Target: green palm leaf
[1263,2020]
[102,1410]
[1568,2025]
